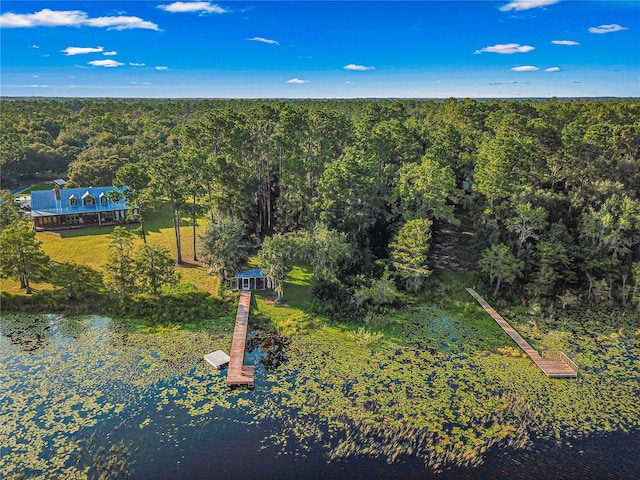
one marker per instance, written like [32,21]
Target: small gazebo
[252,279]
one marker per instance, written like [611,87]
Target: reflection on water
[224,448]
[612,456]
[271,346]
[89,397]
[30,334]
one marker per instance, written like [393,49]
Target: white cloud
[506,48]
[526,4]
[134,64]
[35,46]
[264,40]
[110,54]
[43,18]
[71,18]
[105,63]
[161,68]
[120,23]
[525,68]
[507,82]
[609,28]
[297,81]
[552,69]
[569,43]
[358,68]
[81,50]
[192,7]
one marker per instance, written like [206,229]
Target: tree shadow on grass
[267,296]
[161,219]
[191,265]
[91,231]
[155,221]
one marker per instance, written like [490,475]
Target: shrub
[175,307]
[331,299]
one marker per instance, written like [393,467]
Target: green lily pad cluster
[84,373]
[430,392]
[443,389]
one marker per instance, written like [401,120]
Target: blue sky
[333,49]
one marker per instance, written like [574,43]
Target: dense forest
[551,189]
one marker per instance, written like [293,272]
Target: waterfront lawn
[294,315]
[90,246]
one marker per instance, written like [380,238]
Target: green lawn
[39,186]
[292,316]
[90,246]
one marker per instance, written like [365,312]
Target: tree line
[551,187]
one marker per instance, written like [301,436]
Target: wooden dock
[553,364]
[238,373]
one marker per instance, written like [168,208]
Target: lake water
[91,396]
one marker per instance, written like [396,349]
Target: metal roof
[253,273]
[45,204]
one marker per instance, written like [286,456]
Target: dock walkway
[555,364]
[238,373]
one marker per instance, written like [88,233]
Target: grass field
[293,315]
[90,246]
[45,185]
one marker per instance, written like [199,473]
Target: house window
[73,201]
[88,200]
[103,199]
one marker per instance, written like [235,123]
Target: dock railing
[561,356]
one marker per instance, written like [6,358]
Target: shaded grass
[90,246]
[9,285]
[294,315]
[39,186]
[414,324]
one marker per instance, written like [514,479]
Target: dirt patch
[454,246]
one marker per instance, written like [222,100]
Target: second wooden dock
[553,364]
[238,373]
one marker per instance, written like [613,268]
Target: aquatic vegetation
[86,374]
[445,390]
[398,401]
[364,338]
[272,346]
[436,398]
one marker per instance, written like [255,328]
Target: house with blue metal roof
[253,279]
[58,208]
